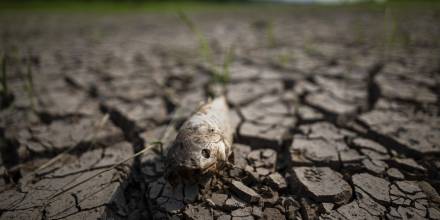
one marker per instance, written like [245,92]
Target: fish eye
[206,153]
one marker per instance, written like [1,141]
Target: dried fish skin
[203,143]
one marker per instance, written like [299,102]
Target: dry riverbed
[336,114]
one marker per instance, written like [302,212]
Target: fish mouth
[188,174]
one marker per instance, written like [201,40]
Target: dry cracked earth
[336,114]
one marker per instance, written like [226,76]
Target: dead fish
[203,143]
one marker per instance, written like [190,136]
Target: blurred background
[164,4]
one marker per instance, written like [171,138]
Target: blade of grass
[204,47]
[220,74]
[224,76]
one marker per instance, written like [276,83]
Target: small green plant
[266,28]
[220,74]
[204,48]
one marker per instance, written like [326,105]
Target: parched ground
[336,114]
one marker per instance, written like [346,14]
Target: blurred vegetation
[185,5]
[115,6]
[219,73]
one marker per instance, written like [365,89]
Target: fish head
[194,153]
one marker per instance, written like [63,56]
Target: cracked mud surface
[328,125]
